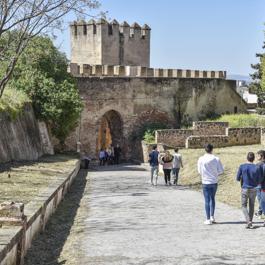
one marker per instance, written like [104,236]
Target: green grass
[231,157]
[13,101]
[243,120]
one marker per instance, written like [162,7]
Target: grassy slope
[243,120]
[231,157]
[13,101]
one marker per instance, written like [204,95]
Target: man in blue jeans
[209,167]
[153,160]
[249,176]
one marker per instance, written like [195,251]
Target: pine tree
[255,85]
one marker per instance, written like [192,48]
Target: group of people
[171,165]
[110,155]
[250,175]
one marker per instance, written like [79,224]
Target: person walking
[167,166]
[209,167]
[117,154]
[248,175]
[153,161]
[177,163]
[262,185]
[101,157]
[260,164]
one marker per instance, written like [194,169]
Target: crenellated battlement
[83,28]
[86,70]
[102,42]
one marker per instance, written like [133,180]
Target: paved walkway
[124,220]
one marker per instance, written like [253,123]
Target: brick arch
[110,130]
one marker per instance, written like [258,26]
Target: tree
[29,18]
[255,86]
[262,67]
[41,72]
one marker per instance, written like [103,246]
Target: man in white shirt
[177,163]
[209,167]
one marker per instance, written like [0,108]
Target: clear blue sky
[193,34]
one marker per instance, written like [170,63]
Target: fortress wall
[22,138]
[140,101]
[140,71]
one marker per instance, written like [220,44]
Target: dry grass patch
[21,182]
[231,157]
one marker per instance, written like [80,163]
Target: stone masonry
[111,43]
[123,96]
[216,133]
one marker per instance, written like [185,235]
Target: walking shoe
[208,222]
[169,183]
[249,225]
[212,220]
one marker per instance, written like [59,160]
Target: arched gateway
[110,131]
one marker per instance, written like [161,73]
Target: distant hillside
[240,77]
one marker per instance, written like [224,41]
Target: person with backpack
[249,176]
[177,163]
[167,167]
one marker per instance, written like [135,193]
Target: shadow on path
[46,248]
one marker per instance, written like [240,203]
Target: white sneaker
[212,219]
[208,222]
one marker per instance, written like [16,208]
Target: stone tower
[103,43]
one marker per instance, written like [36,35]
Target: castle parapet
[140,71]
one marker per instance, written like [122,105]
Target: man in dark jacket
[153,160]
[260,165]
[249,176]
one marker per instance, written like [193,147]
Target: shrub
[13,102]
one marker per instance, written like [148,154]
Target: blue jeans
[262,201]
[175,172]
[258,188]
[209,191]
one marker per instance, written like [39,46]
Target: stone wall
[200,141]
[16,240]
[23,138]
[177,137]
[244,136]
[110,43]
[233,136]
[209,128]
[173,137]
[128,105]
[84,70]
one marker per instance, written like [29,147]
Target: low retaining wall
[15,241]
[209,128]
[176,138]
[216,133]
[233,136]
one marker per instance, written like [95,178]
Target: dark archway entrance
[110,130]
